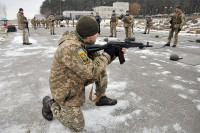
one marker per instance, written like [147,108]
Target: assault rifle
[117,44]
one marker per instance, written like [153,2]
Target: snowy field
[155,95]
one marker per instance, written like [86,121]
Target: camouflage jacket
[179,21]
[72,69]
[128,20]
[114,19]
[47,21]
[51,19]
[22,21]
[148,21]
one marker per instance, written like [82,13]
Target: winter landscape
[154,93]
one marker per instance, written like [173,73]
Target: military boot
[111,36]
[144,33]
[174,46]
[46,109]
[105,101]
[168,44]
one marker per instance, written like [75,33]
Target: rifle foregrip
[121,57]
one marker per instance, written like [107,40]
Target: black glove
[112,51]
[179,30]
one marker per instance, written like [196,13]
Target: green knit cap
[87,26]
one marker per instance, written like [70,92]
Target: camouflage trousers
[47,26]
[43,25]
[70,117]
[171,34]
[25,36]
[34,25]
[51,28]
[132,26]
[128,31]
[113,29]
[147,28]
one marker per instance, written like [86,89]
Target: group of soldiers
[47,23]
[177,21]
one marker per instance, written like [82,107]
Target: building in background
[76,14]
[106,11]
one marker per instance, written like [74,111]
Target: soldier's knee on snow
[77,127]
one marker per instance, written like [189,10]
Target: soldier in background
[47,23]
[19,24]
[33,21]
[148,24]
[98,19]
[43,22]
[177,21]
[113,24]
[24,26]
[59,22]
[51,22]
[128,20]
[56,21]
[72,70]
[38,23]
[92,16]
[67,22]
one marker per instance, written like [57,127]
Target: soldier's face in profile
[22,11]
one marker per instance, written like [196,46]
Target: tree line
[137,7]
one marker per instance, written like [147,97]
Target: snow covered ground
[155,95]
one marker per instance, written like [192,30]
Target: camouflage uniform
[113,25]
[132,24]
[19,24]
[56,23]
[47,23]
[93,17]
[71,71]
[148,24]
[22,21]
[51,22]
[33,21]
[177,22]
[59,22]
[38,23]
[67,22]
[128,20]
[73,22]
[43,23]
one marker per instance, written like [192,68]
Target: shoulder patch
[83,56]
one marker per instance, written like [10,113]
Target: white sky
[31,7]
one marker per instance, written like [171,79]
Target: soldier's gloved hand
[112,51]
[179,30]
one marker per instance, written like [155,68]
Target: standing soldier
[148,24]
[132,24]
[67,22]
[92,16]
[23,22]
[56,23]
[19,24]
[128,20]
[98,19]
[51,22]
[38,23]
[33,21]
[177,21]
[73,69]
[113,24]
[59,22]
[43,22]
[47,23]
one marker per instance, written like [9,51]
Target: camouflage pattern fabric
[72,69]
[177,25]
[132,24]
[71,117]
[25,36]
[19,24]
[113,25]
[47,23]
[22,20]
[51,22]
[67,22]
[127,26]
